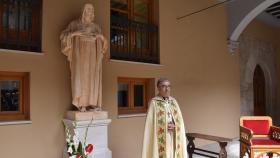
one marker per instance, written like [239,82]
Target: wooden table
[193,150]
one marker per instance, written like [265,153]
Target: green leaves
[80,148]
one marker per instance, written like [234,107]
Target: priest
[164,135]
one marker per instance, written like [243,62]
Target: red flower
[78,155]
[89,148]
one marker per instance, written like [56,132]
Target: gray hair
[160,80]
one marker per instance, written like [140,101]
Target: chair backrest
[260,125]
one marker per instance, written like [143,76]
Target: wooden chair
[258,136]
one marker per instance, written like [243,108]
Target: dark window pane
[144,39]
[133,35]
[119,15]
[25,16]
[21,25]
[138,39]
[140,8]
[9,95]
[141,19]
[119,37]
[122,95]
[138,95]
[119,4]
[5,16]
[141,40]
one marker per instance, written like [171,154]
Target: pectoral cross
[168,113]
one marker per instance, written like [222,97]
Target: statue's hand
[105,43]
[77,33]
[99,36]
[85,35]
[90,38]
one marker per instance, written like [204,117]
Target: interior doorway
[259,92]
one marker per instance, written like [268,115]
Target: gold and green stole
[162,128]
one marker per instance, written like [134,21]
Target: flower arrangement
[75,148]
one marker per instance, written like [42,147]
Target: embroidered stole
[162,129]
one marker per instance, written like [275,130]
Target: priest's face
[164,88]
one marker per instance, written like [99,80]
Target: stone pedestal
[88,115]
[97,132]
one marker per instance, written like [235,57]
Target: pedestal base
[88,115]
[97,133]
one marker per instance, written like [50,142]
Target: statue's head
[88,13]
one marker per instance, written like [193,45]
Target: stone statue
[85,46]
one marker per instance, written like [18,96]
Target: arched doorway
[259,92]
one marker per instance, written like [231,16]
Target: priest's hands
[171,126]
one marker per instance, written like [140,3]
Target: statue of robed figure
[84,45]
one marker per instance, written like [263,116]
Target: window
[134,94]
[14,92]
[134,30]
[20,25]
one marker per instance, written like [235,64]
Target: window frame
[24,104]
[148,92]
